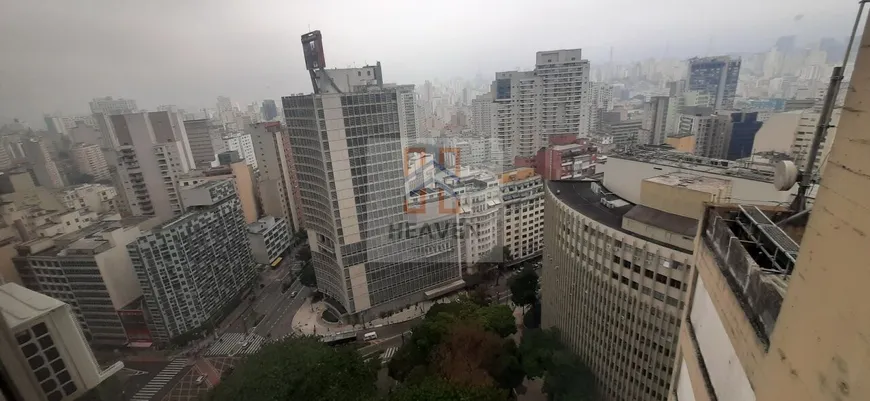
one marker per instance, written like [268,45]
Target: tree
[300,368]
[532,318]
[479,296]
[307,276]
[568,379]
[465,354]
[506,369]
[524,288]
[536,351]
[441,390]
[304,254]
[498,319]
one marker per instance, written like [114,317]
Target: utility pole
[800,200]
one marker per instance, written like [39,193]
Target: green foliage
[536,351]
[307,276]
[506,369]
[441,390]
[498,319]
[300,368]
[532,318]
[524,287]
[566,378]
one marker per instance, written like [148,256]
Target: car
[243,343]
[200,379]
[293,294]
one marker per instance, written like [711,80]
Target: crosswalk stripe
[388,354]
[229,344]
[160,380]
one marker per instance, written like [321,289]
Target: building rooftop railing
[756,267]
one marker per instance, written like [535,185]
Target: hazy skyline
[58,55]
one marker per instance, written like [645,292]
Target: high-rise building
[269,238]
[242,175]
[242,144]
[82,133]
[615,274]
[205,141]
[744,126]
[43,350]
[267,140]
[531,106]
[712,131]
[153,150]
[89,159]
[777,307]
[655,119]
[717,76]
[522,195]
[55,125]
[90,270]
[348,149]
[110,107]
[270,111]
[482,116]
[39,157]
[600,101]
[194,265]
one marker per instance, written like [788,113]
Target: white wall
[117,268]
[684,384]
[623,177]
[726,373]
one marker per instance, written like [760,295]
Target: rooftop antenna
[785,173]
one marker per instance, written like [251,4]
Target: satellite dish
[785,175]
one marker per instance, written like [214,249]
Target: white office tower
[242,144]
[153,150]
[191,267]
[483,116]
[110,107]
[272,181]
[43,350]
[531,106]
[711,130]
[89,159]
[348,144]
[655,119]
[600,101]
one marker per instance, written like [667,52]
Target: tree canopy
[524,287]
[307,276]
[300,368]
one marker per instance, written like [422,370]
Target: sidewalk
[309,320]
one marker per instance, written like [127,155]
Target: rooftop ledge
[756,257]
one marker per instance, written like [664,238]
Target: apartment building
[89,159]
[530,106]
[267,140]
[348,150]
[205,141]
[241,143]
[711,131]
[153,151]
[269,238]
[717,77]
[97,198]
[242,176]
[655,119]
[44,353]
[195,264]
[90,270]
[522,194]
[109,106]
[615,275]
[44,168]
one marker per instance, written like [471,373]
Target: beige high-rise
[89,159]
[780,311]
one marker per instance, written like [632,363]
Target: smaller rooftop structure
[20,305]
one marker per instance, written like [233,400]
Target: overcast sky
[56,55]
